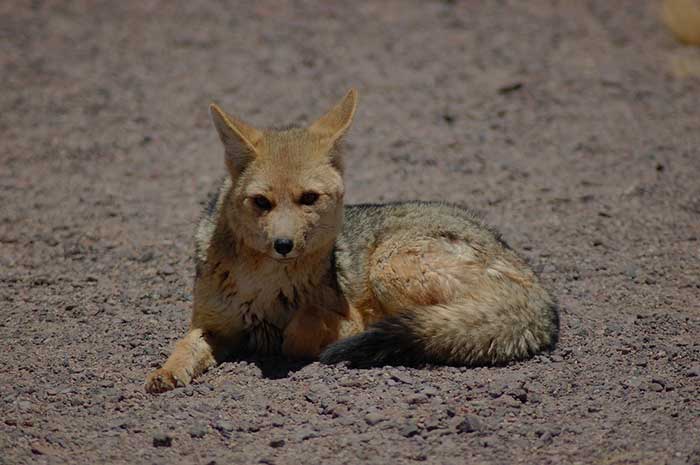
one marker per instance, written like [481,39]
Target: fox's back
[373,231]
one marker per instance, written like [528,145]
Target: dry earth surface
[571,126]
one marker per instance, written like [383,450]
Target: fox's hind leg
[193,355]
[448,301]
[423,271]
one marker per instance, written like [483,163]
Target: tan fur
[470,299]
[683,18]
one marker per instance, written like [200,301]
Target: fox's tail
[463,333]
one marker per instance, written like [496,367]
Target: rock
[693,372]
[489,442]
[556,358]
[167,270]
[468,424]
[305,433]
[277,443]
[145,257]
[373,418]
[432,423]
[633,382]
[409,430]
[162,440]
[495,391]
[38,449]
[656,387]
[429,391]
[416,399]
[519,394]
[614,328]
[203,388]
[198,431]
[317,394]
[631,271]
[349,381]
[24,405]
[547,433]
[338,411]
[509,401]
[574,429]
[122,424]
[346,420]
[224,427]
[401,377]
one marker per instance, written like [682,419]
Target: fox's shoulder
[206,226]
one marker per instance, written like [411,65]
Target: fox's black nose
[284,246]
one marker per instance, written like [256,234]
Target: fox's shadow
[271,367]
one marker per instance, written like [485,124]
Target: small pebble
[24,405]
[276,443]
[306,433]
[223,426]
[429,391]
[373,418]
[402,377]
[409,430]
[656,387]
[162,440]
[468,424]
[633,382]
[198,431]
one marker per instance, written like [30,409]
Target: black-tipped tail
[388,342]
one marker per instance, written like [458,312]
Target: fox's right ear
[333,125]
[241,141]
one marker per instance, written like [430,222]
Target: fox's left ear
[336,122]
[240,139]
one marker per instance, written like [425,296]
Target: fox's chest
[260,304]
[260,298]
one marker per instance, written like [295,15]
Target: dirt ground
[572,126]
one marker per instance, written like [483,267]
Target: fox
[283,267]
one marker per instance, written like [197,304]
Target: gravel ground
[572,126]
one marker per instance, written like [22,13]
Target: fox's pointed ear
[336,122]
[241,141]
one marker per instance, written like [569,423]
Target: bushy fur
[404,283]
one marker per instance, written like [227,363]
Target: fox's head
[287,194]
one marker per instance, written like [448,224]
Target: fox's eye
[262,202]
[308,198]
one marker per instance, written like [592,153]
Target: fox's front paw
[163,380]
